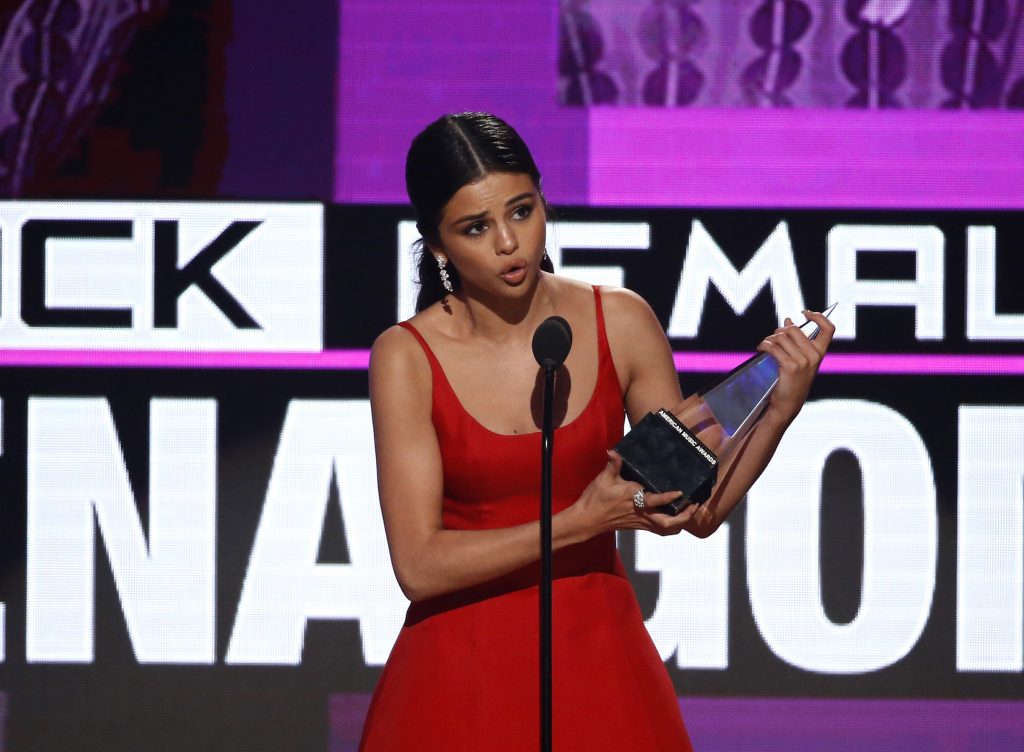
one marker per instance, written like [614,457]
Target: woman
[455,397]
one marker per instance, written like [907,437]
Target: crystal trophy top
[682,449]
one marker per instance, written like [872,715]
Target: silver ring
[638,499]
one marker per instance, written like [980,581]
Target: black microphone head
[552,342]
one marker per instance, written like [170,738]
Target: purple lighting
[912,159]
[328,360]
[720,724]
[402,68]
[358,360]
[893,364]
[841,725]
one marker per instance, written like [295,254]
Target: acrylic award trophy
[682,449]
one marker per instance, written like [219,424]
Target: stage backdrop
[192,550]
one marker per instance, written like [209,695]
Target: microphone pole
[551,344]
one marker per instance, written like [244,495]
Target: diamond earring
[446,281]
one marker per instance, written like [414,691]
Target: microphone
[552,342]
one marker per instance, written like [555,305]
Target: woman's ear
[434,249]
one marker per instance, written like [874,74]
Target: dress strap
[435,364]
[603,348]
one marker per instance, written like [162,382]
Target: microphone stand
[547,447]
[551,344]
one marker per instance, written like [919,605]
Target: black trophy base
[661,454]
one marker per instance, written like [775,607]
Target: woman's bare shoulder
[624,308]
[570,286]
[398,342]
[573,295]
[394,342]
[635,336]
[396,357]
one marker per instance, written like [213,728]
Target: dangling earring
[446,281]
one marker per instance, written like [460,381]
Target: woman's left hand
[798,358]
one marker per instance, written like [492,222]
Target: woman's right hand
[607,504]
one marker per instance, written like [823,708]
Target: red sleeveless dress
[463,674]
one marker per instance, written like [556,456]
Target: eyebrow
[481,215]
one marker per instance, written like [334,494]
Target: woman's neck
[499,318]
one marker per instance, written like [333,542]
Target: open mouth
[514,274]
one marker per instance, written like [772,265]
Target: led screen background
[193,556]
[733,144]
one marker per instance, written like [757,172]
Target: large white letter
[691,618]
[923,293]
[706,264]
[900,540]
[982,320]
[75,468]
[990,539]
[284,586]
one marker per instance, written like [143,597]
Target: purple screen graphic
[718,724]
[923,147]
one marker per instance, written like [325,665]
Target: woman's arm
[428,559]
[644,361]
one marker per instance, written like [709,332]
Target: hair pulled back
[451,152]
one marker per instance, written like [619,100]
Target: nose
[505,240]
